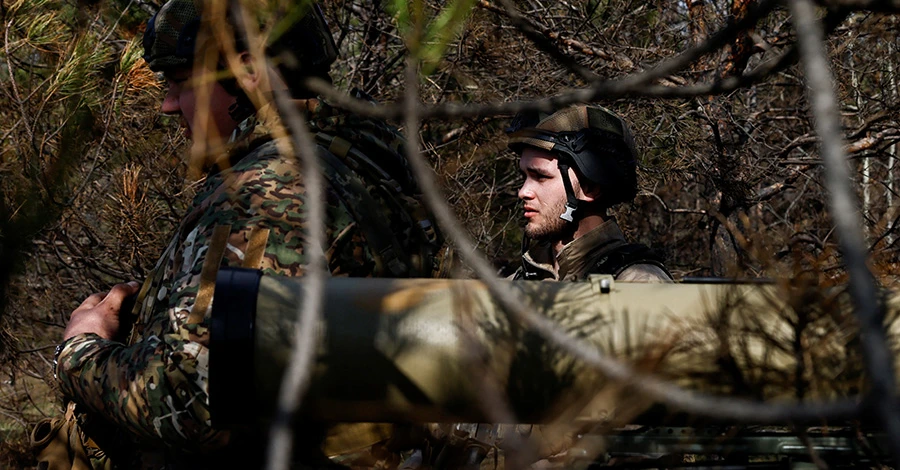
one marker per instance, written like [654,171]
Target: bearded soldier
[577,164]
[141,393]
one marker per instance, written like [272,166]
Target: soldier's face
[201,119]
[544,194]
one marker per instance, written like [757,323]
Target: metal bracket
[569,214]
[601,283]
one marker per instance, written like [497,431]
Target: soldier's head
[577,162]
[177,35]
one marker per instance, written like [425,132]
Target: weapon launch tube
[420,350]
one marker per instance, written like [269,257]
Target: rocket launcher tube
[417,350]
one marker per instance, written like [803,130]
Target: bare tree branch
[844,210]
[774,189]
[635,85]
[638,84]
[539,37]
[297,376]
[620,59]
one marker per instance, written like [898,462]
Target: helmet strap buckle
[569,214]
[572,202]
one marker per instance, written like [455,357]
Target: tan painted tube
[429,350]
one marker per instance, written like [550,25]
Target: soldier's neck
[585,224]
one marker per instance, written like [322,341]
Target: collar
[577,256]
[260,128]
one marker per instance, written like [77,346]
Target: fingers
[99,313]
[119,292]
[113,297]
[92,300]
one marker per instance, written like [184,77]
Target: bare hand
[99,313]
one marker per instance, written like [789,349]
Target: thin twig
[579,46]
[297,376]
[810,447]
[12,79]
[670,210]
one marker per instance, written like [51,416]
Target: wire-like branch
[296,378]
[774,189]
[671,210]
[492,403]
[844,210]
[634,85]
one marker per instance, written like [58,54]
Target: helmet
[594,139]
[171,36]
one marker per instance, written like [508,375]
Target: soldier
[141,394]
[577,164]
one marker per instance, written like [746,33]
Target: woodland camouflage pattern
[155,386]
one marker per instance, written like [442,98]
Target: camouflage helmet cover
[170,39]
[595,139]
[171,35]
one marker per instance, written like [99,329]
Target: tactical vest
[625,256]
[615,261]
[364,161]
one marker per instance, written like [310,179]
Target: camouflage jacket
[590,254]
[250,211]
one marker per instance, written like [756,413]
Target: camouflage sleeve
[157,387]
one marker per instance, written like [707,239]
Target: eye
[176,80]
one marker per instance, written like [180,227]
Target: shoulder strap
[386,249]
[372,152]
[408,248]
[625,256]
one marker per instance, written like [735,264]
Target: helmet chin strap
[572,203]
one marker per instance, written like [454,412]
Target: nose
[170,104]
[525,192]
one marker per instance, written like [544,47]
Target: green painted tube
[428,350]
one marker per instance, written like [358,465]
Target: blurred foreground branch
[868,303]
[695,403]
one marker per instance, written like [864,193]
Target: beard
[549,227]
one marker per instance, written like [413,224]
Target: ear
[589,191]
[250,79]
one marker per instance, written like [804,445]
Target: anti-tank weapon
[424,351]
